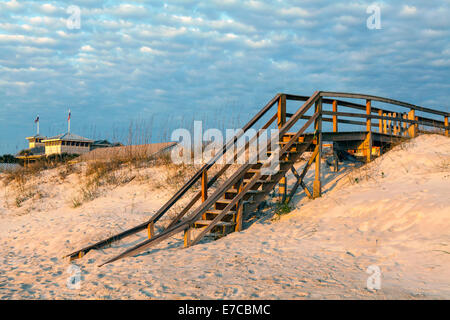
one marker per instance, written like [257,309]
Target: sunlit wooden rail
[218,209]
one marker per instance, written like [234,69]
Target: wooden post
[317,185]
[412,127]
[240,212]
[204,185]
[187,237]
[446,126]
[384,124]
[368,143]
[281,111]
[151,230]
[368,112]
[394,123]
[405,130]
[281,121]
[335,118]
[417,125]
[380,121]
[390,124]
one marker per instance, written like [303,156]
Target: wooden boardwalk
[217,213]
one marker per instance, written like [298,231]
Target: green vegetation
[8,158]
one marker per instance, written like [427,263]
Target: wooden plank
[305,188]
[368,112]
[281,121]
[420,120]
[381,99]
[380,122]
[240,210]
[309,163]
[405,129]
[294,172]
[281,111]
[446,126]
[368,150]
[187,237]
[394,124]
[412,132]
[151,230]
[390,123]
[317,187]
[204,185]
[302,175]
[335,117]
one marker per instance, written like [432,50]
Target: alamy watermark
[374,20]
[73,282]
[250,147]
[74,20]
[374,280]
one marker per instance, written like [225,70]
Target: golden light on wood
[204,185]
[151,230]
[335,118]
[446,126]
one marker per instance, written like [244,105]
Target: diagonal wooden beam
[300,177]
[294,171]
[308,193]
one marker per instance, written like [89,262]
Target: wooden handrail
[372,116]
[361,107]
[384,100]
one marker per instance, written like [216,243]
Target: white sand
[397,217]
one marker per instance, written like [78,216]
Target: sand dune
[393,213]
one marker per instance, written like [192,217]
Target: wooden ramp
[219,209]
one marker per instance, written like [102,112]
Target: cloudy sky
[156,63]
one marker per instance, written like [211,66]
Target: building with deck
[67,143]
[36,141]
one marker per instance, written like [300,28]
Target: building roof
[125,152]
[36,136]
[107,143]
[69,137]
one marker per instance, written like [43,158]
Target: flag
[68,119]
[36,120]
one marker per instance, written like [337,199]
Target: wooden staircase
[232,220]
[224,210]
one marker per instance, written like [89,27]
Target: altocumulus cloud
[205,59]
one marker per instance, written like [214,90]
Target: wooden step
[284,162]
[289,151]
[227,201]
[260,181]
[219,224]
[233,190]
[217,212]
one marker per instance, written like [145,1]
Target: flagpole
[37,121]
[69,122]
